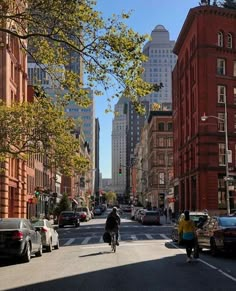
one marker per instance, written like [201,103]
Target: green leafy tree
[111,197]
[40,127]
[59,32]
[63,205]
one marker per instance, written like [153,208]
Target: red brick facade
[203,80]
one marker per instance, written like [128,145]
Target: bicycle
[113,241]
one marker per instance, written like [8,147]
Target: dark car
[48,232]
[150,217]
[69,218]
[198,218]
[218,234]
[19,238]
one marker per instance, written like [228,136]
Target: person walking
[187,229]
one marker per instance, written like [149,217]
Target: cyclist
[113,223]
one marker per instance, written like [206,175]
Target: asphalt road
[145,260]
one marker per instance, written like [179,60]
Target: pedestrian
[170,213]
[187,229]
[165,213]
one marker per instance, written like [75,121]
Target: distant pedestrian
[165,213]
[170,213]
[187,229]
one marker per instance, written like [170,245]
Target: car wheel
[56,247]
[39,253]
[27,254]
[214,250]
[49,247]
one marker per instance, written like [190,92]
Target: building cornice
[193,14]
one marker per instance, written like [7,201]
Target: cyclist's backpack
[111,222]
[106,237]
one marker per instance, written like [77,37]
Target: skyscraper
[159,66]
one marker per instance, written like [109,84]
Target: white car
[49,235]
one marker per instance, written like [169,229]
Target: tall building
[159,66]
[204,82]
[96,151]
[13,88]
[119,148]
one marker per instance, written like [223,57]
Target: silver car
[48,232]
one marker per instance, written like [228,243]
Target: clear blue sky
[146,15]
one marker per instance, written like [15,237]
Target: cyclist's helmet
[114,209]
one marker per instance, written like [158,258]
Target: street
[145,260]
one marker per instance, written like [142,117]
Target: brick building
[204,81]
[13,88]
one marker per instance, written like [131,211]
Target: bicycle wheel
[113,243]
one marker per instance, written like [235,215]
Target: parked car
[198,218]
[139,214]
[84,212]
[49,235]
[218,234]
[97,211]
[19,238]
[150,217]
[69,218]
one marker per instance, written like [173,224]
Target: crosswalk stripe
[149,236]
[86,240]
[70,241]
[133,237]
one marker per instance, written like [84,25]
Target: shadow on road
[152,275]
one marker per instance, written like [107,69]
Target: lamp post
[204,118]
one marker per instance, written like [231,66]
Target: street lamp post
[204,118]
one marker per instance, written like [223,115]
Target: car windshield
[9,224]
[228,221]
[67,214]
[151,213]
[198,218]
[38,223]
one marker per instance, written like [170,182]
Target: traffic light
[120,171]
[37,192]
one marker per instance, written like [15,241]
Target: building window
[221,154]
[161,142]
[234,94]
[161,178]
[235,128]
[229,40]
[161,126]
[169,142]
[221,93]
[220,66]
[170,126]
[221,125]
[220,39]
[161,159]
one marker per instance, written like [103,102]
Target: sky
[146,15]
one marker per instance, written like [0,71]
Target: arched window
[229,40]
[220,39]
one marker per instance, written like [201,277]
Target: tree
[41,127]
[60,31]
[111,197]
[230,4]
[63,205]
